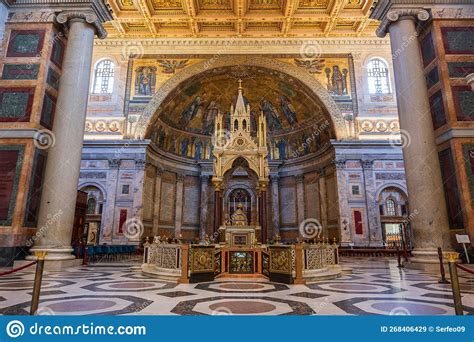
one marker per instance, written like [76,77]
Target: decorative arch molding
[397,186]
[97,185]
[230,165]
[305,78]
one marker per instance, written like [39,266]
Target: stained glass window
[104,77]
[377,74]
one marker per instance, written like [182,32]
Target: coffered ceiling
[241,18]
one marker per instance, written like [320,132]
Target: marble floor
[376,287]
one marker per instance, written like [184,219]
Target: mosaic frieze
[25,43]
[48,110]
[15,104]
[379,126]
[20,71]
[460,69]
[458,40]
[104,126]
[389,176]
[10,168]
[452,195]
[464,103]
[437,110]
[57,53]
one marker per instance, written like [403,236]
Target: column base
[53,254]
[426,260]
[50,265]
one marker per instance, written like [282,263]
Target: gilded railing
[319,255]
[163,255]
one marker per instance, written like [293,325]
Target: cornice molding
[218,42]
[100,7]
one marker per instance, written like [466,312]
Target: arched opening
[95,205]
[393,209]
[296,113]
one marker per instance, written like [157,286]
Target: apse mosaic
[293,113]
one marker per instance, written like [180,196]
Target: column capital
[180,177]
[114,163]
[89,17]
[274,178]
[340,164]
[394,15]
[367,164]
[299,178]
[159,171]
[140,164]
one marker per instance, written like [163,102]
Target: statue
[239,218]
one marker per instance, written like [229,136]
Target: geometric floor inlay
[375,287]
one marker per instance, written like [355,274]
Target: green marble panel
[20,71]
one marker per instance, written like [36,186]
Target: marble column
[178,220]
[323,202]
[425,186]
[204,207]
[344,211]
[157,201]
[300,200]
[106,233]
[275,206]
[137,210]
[217,208]
[64,157]
[374,234]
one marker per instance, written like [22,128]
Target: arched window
[91,203]
[391,211]
[377,76]
[104,77]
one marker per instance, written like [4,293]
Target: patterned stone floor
[375,287]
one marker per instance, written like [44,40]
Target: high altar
[240,153]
